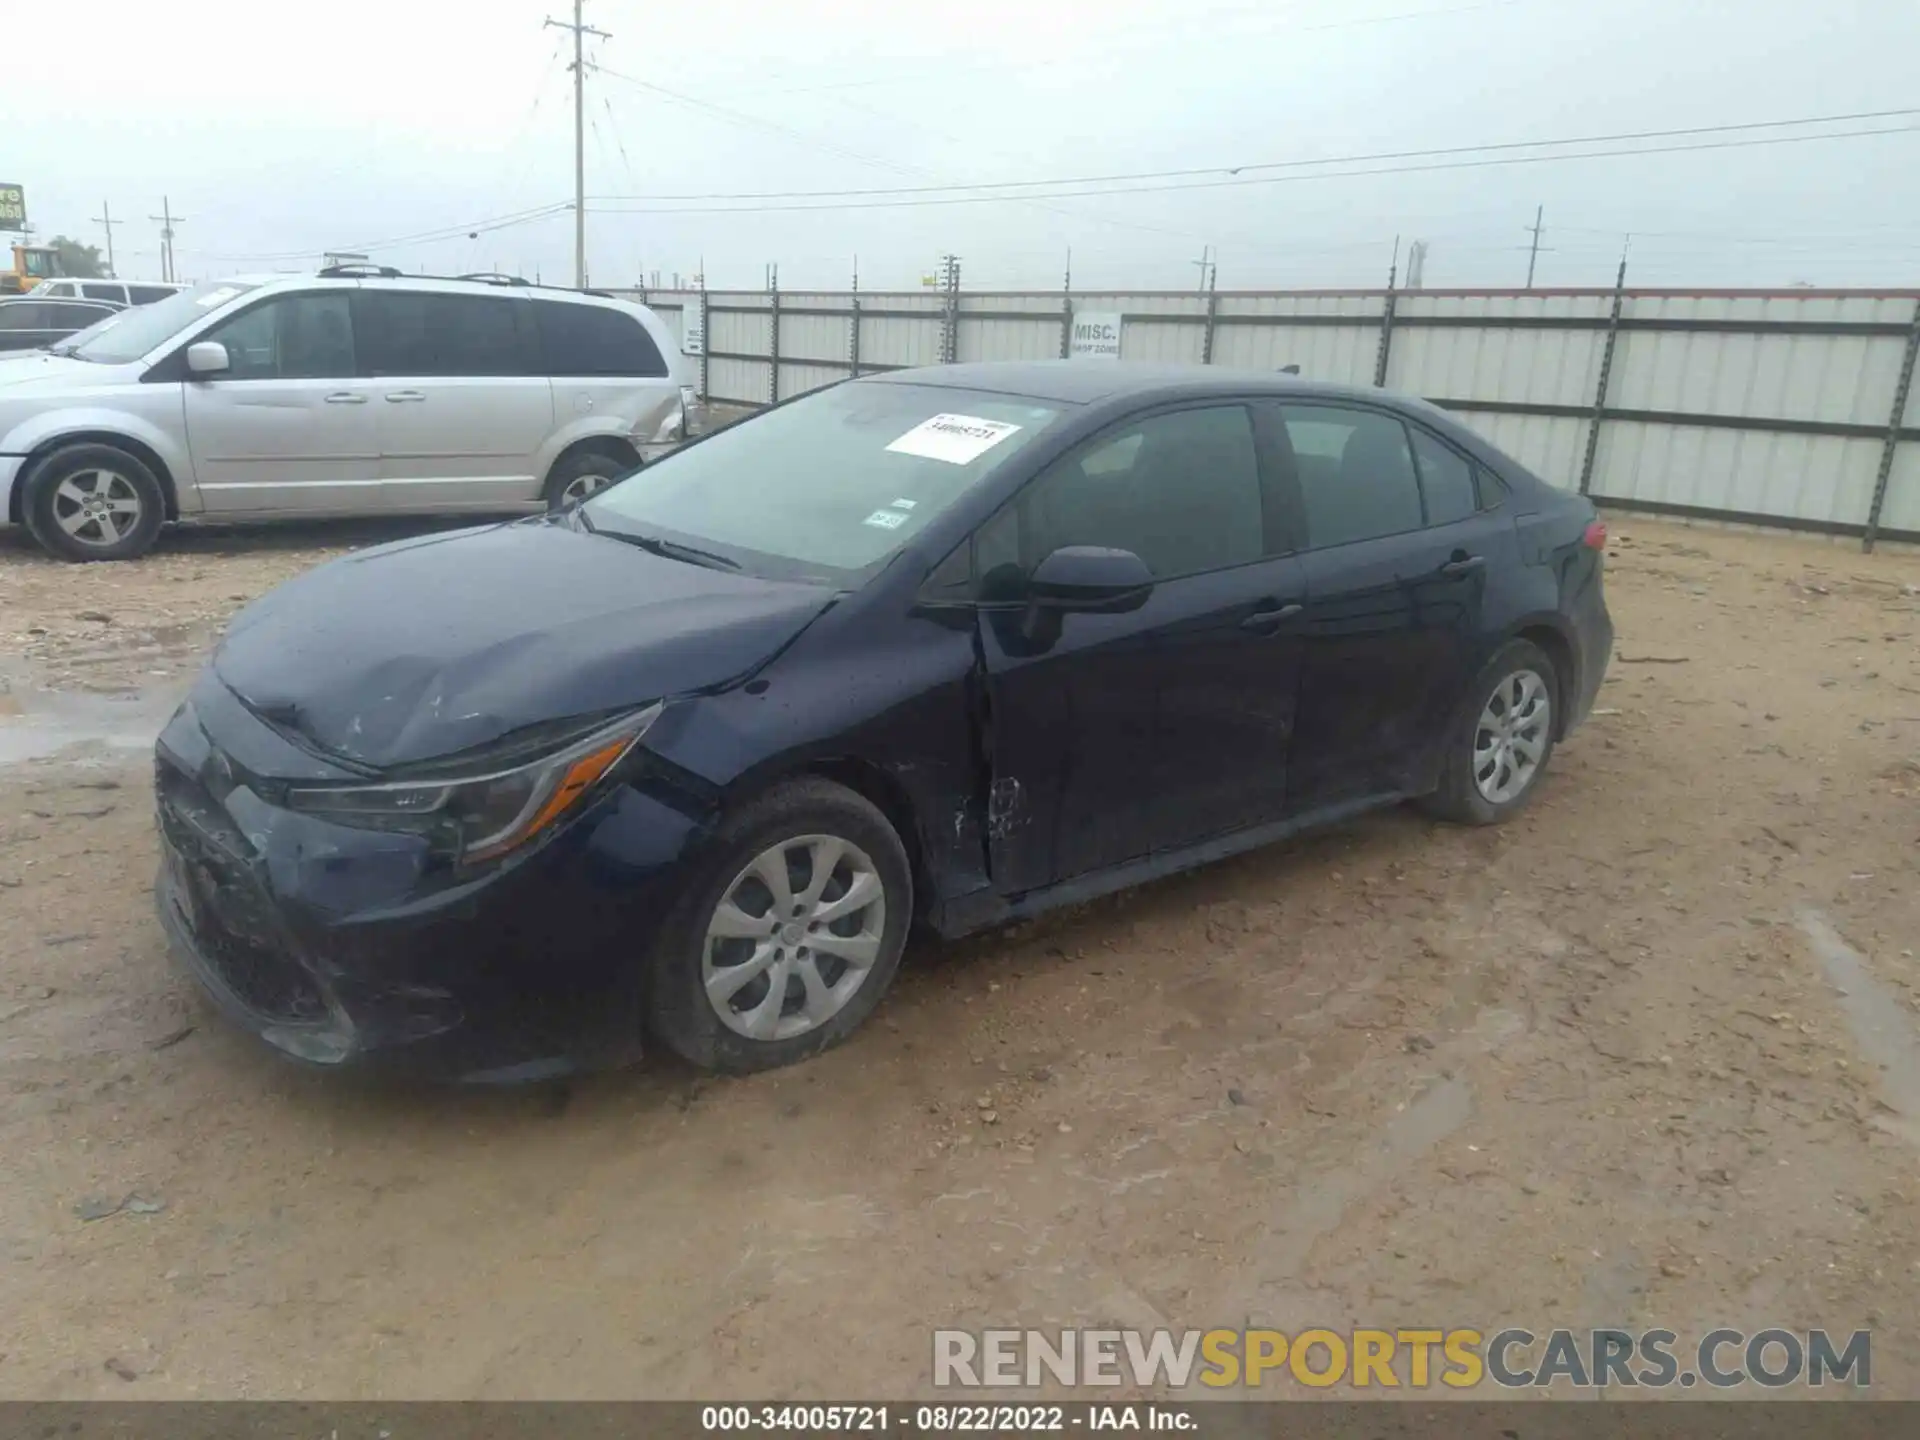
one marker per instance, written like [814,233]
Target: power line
[1383,155]
[861,204]
[939,67]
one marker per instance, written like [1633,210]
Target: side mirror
[207,357]
[1088,577]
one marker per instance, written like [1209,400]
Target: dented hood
[424,648]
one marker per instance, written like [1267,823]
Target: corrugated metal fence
[1794,408]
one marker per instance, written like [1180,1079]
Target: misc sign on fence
[693,331]
[1095,335]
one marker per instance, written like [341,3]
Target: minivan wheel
[576,477]
[789,934]
[1502,740]
[94,502]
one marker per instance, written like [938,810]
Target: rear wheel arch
[1559,649]
[46,449]
[617,449]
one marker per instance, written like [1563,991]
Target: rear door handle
[1464,565]
[402,397]
[346,397]
[1269,619]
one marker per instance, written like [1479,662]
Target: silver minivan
[353,392]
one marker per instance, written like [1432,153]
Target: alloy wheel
[1511,737]
[97,507]
[794,937]
[582,486]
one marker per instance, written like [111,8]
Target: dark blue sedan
[949,646]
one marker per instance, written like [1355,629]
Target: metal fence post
[950,310]
[1066,309]
[1386,326]
[1901,392]
[704,346]
[853,339]
[1606,373]
[773,335]
[1206,339]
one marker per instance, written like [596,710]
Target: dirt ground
[1645,1056]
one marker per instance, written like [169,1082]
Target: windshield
[833,483]
[132,333]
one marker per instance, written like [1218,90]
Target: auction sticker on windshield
[956,439]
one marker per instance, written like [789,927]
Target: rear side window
[1356,473]
[422,333]
[30,315]
[595,340]
[147,294]
[115,293]
[1446,479]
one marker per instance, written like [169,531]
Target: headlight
[481,817]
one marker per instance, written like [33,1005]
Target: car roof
[1088,382]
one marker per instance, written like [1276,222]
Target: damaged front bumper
[342,947]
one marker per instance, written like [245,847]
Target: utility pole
[580,31]
[167,220]
[1205,262]
[105,217]
[1533,252]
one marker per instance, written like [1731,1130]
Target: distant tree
[76,259]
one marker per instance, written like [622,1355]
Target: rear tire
[576,477]
[832,945]
[94,502]
[1501,741]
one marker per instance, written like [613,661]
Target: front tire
[1502,739]
[94,502]
[789,933]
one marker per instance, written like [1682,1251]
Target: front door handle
[402,397]
[1464,565]
[1269,619]
[346,397]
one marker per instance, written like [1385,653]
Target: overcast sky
[281,131]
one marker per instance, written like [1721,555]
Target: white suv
[354,392]
[118,292]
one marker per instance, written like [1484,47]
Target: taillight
[1595,537]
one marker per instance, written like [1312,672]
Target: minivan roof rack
[358,268]
[494,277]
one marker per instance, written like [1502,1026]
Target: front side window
[1356,473]
[827,486]
[1180,490]
[427,334]
[291,337]
[589,340]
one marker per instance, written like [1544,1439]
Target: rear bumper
[1593,632]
